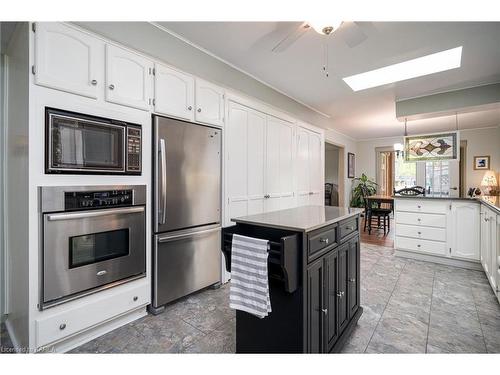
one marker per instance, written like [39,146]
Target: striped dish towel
[249,289]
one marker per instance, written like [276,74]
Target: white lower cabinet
[74,320]
[490,251]
[464,231]
[310,169]
[128,78]
[445,228]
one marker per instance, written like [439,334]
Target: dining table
[380,198]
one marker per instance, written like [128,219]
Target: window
[405,174]
[437,178]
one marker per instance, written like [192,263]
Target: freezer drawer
[184,263]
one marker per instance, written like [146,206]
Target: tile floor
[409,307]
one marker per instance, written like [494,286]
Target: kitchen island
[314,279]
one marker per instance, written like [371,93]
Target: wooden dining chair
[375,213]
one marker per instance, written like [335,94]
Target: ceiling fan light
[324,27]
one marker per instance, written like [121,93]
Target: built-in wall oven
[77,143]
[93,238]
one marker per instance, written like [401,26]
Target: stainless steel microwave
[77,143]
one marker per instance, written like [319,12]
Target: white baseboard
[472,265]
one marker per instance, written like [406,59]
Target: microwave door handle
[97,213]
[163,172]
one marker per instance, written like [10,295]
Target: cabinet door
[174,93]
[465,230]
[315,279]
[485,243]
[353,285]
[342,293]
[316,168]
[128,78]
[209,103]
[67,59]
[331,288]
[494,266]
[279,164]
[245,156]
[302,174]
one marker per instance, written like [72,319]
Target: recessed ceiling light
[436,62]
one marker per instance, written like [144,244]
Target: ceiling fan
[350,32]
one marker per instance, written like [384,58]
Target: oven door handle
[163,157]
[105,212]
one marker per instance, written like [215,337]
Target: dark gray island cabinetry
[314,279]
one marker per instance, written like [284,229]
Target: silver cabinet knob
[136,298]
[190,108]
[352,280]
[325,311]
[419,206]
[418,245]
[199,110]
[62,326]
[340,294]
[93,82]
[111,87]
[486,219]
[419,233]
[349,228]
[323,240]
[419,219]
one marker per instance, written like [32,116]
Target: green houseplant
[357,189]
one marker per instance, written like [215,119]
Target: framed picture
[350,165]
[481,162]
[436,146]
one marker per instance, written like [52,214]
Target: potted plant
[357,190]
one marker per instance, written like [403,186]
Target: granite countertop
[300,219]
[491,202]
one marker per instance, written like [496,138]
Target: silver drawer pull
[111,87]
[102,273]
[199,110]
[418,245]
[136,298]
[323,240]
[93,82]
[349,228]
[352,280]
[419,206]
[190,108]
[62,326]
[419,219]
[325,311]
[419,233]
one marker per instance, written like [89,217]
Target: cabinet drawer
[412,218]
[421,205]
[346,227]
[421,232]
[59,326]
[421,246]
[319,240]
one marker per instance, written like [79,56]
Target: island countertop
[300,219]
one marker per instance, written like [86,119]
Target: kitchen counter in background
[490,201]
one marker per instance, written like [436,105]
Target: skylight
[436,62]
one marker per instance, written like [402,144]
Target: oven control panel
[134,140]
[82,200]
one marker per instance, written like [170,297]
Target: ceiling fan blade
[291,38]
[352,34]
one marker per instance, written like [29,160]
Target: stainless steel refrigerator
[187,209]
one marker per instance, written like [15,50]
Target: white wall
[481,142]
[332,166]
[349,145]
[366,158]
[16,186]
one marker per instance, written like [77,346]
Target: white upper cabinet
[68,60]
[279,165]
[128,78]
[209,103]
[174,93]
[310,167]
[245,158]
[465,230]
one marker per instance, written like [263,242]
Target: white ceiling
[363,114]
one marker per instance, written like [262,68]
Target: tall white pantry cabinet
[75,70]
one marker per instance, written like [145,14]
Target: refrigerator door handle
[163,157]
[187,235]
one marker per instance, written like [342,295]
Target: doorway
[334,172]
